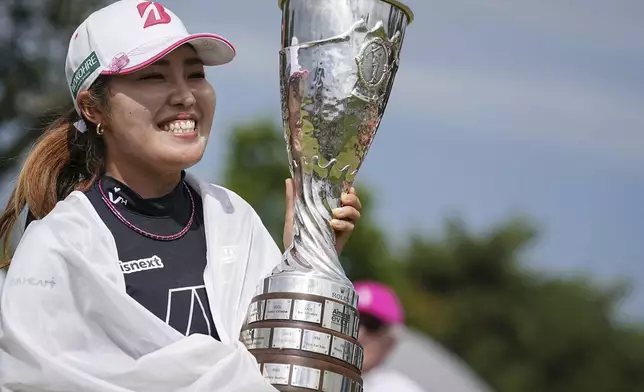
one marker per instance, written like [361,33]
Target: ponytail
[62,160]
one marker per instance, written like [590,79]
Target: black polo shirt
[165,276]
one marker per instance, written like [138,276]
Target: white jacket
[67,323]
[388,380]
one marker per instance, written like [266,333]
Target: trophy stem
[313,247]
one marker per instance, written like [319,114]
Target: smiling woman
[158,121]
[130,274]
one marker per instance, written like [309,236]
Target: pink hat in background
[379,301]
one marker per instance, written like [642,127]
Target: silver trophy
[337,68]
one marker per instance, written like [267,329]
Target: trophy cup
[337,67]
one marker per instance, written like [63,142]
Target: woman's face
[161,115]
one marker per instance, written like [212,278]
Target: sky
[499,108]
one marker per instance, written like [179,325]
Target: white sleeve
[389,380]
[66,326]
[3,277]
[264,256]
[241,253]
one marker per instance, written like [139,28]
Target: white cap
[129,35]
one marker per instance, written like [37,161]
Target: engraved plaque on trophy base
[305,342]
[294,373]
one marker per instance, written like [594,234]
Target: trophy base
[293,372]
[303,331]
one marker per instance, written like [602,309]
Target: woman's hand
[344,218]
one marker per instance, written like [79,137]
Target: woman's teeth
[180,126]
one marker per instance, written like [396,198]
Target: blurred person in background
[381,314]
[397,358]
[133,275]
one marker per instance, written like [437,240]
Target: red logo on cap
[155,14]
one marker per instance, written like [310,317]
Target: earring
[99,129]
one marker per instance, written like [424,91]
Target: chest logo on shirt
[187,312]
[153,262]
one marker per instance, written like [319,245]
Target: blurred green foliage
[518,329]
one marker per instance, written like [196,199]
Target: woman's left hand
[343,222]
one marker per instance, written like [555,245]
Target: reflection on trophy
[337,67]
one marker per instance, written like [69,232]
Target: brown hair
[62,160]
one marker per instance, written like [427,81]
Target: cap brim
[385,319]
[212,49]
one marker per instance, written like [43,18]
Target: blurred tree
[33,43]
[517,329]
[520,331]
